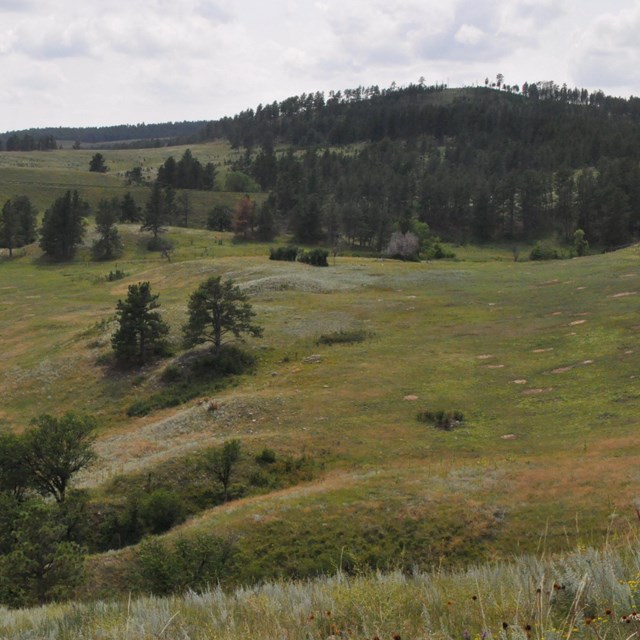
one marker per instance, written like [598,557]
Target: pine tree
[63,226]
[141,331]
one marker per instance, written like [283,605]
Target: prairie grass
[586,594]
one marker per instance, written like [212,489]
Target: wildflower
[527,628]
[474,597]
[608,612]
[588,620]
[505,625]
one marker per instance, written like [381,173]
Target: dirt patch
[624,294]
[557,313]
[519,381]
[494,366]
[410,398]
[576,322]
[509,436]
[537,391]
[485,356]
[542,350]
[587,362]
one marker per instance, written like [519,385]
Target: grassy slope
[44,176]
[458,335]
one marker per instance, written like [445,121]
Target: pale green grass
[580,595]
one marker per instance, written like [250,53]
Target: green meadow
[541,358]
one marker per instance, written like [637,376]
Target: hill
[397,414]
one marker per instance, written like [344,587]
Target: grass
[541,358]
[586,594]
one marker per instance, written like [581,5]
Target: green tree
[56,449]
[97,164]
[63,226]
[15,476]
[129,210]
[41,565]
[580,243]
[157,213]
[217,309]
[109,244]
[141,331]
[17,223]
[222,462]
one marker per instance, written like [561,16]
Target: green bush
[314,257]
[112,276]
[192,563]
[344,336]
[160,510]
[287,254]
[440,419]
[438,252]
[544,252]
[267,456]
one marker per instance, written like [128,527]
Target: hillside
[396,415]
[540,358]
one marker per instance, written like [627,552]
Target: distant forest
[494,163]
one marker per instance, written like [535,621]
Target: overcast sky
[85,63]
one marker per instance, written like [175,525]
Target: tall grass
[585,594]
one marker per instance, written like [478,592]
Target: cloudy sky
[75,63]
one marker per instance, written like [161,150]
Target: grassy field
[541,358]
[44,176]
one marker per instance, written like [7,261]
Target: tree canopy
[63,226]
[217,309]
[141,331]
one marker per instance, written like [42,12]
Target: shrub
[438,252]
[112,276]
[348,336]
[287,254]
[195,563]
[440,419]
[315,257]
[267,456]
[160,510]
[543,252]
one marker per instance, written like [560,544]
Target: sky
[98,63]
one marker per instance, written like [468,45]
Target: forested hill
[494,163]
[140,135]
[477,164]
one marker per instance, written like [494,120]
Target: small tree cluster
[39,558]
[216,310]
[17,223]
[187,173]
[63,226]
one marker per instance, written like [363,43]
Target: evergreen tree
[109,244]
[17,223]
[63,226]
[217,309]
[141,331]
[156,213]
[129,210]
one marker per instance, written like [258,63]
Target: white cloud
[158,60]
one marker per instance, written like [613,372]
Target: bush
[344,337]
[240,182]
[267,456]
[160,510]
[445,420]
[288,254]
[544,252]
[196,563]
[112,276]
[315,257]
[438,252]
[159,244]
